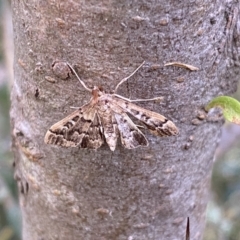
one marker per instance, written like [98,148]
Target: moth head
[100,88]
[97,92]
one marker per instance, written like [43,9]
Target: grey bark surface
[146,193]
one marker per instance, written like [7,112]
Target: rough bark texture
[146,193]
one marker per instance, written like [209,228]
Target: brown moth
[105,116]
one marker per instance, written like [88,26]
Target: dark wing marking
[155,122]
[93,138]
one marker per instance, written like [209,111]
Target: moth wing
[93,138]
[131,136]
[70,131]
[109,125]
[155,122]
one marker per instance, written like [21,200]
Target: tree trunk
[146,193]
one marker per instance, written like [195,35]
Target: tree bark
[146,193]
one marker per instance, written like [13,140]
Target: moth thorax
[96,92]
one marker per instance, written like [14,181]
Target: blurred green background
[223,215]
[10,220]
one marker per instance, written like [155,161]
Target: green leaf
[229,106]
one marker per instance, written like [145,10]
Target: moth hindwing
[105,116]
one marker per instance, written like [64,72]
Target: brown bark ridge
[146,193]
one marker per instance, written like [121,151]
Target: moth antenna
[126,78]
[83,84]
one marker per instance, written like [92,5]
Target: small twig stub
[105,117]
[182,65]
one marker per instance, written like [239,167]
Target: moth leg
[139,100]
[126,78]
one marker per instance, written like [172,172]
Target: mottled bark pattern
[143,194]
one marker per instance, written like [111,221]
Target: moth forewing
[71,131]
[155,122]
[58,134]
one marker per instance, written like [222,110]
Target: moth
[105,118]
